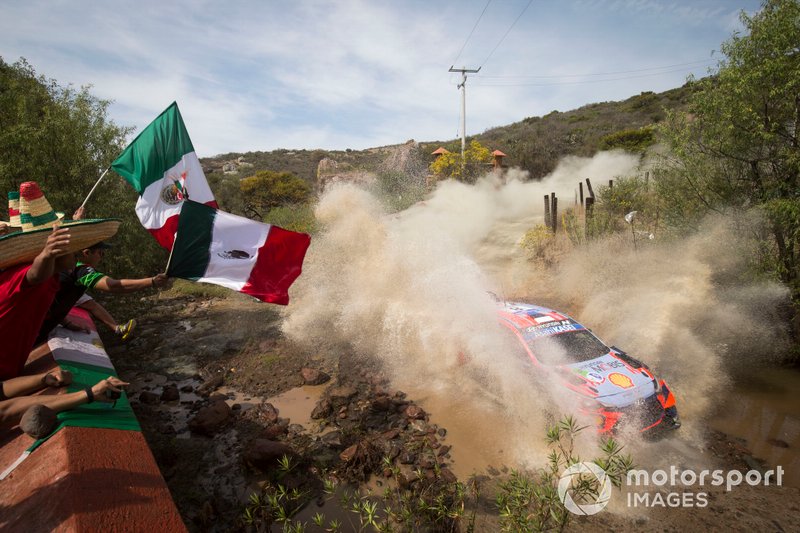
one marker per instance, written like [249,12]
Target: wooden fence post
[554,213]
[547,210]
[587,219]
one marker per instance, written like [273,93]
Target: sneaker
[125,331]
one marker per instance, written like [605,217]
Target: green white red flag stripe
[162,166]
[213,246]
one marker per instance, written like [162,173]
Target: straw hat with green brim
[13,210]
[37,221]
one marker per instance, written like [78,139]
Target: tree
[62,138]
[267,189]
[738,145]
[469,168]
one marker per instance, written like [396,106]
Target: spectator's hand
[109,389]
[72,326]
[160,280]
[56,244]
[79,213]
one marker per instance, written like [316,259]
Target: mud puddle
[764,410]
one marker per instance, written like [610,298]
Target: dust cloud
[411,290]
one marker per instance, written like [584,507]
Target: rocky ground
[208,369]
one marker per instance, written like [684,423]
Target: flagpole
[95,186]
[169,260]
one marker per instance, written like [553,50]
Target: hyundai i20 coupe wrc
[613,387]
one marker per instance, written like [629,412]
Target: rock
[38,421]
[418,426]
[210,385]
[278,428]
[427,462]
[187,388]
[447,475]
[414,412]
[406,476]
[149,398]
[349,454]
[390,434]
[170,393]
[443,450]
[295,428]
[264,454]
[339,396]
[267,413]
[209,420]
[236,407]
[381,404]
[217,397]
[312,376]
[407,458]
[442,432]
[322,409]
[334,439]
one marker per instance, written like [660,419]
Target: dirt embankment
[209,378]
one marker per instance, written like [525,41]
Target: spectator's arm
[109,284]
[44,264]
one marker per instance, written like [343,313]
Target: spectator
[30,260]
[85,276]
[16,396]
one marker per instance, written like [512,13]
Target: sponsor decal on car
[593,377]
[603,366]
[620,380]
[552,328]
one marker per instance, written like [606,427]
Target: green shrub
[636,140]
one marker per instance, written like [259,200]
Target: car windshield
[566,348]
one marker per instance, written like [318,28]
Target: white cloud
[260,75]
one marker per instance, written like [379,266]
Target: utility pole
[463,86]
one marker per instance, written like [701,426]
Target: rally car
[612,387]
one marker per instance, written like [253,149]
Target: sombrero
[37,218]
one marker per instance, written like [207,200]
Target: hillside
[534,144]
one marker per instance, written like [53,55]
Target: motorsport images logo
[591,486]
[573,476]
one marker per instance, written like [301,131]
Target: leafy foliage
[637,140]
[61,138]
[531,503]
[468,168]
[739,147]
[266,190]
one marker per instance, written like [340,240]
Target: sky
[253,75]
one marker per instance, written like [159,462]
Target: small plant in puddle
[531,502]
[411,501]
[275,503]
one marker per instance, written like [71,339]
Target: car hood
[616,383]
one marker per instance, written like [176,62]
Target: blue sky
[261,75]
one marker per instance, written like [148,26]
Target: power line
[691,63]
[471,32]
[507,32]
[500,84]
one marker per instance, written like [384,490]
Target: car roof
[526,317]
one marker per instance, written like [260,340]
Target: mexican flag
[163,168]
[258,259]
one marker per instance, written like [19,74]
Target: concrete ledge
[84,479]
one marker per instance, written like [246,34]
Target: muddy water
[764,410]
[297,404]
